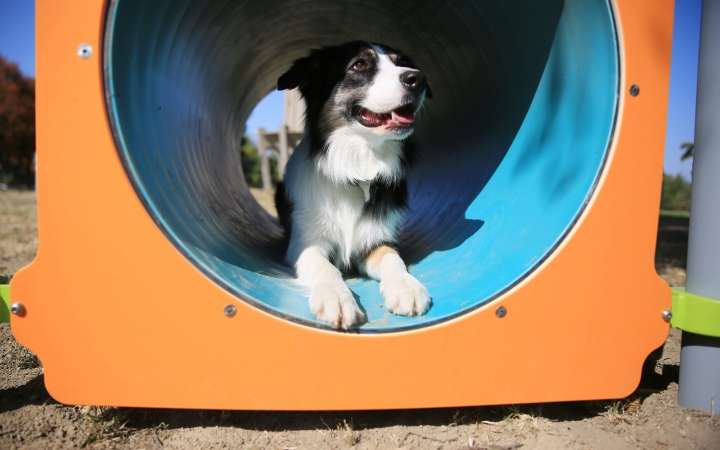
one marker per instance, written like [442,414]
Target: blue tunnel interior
[511,146]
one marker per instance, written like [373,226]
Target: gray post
[700,356]
[264,160]
[283,153]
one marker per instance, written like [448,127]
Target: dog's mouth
[398,119]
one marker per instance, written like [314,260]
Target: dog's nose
[412,79]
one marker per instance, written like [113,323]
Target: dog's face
[373,89]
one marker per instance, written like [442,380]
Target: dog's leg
[404,294]
[330,299]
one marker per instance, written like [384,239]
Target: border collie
[345,186]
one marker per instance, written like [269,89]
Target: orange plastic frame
[119,317]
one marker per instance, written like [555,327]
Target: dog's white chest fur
[329,197]
[355,155]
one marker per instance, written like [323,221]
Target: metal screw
[84,51]
[229,310]
[500,311]
[667,315]
[17,308]
[634,90]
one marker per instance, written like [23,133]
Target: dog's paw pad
[405,295]
[336,306]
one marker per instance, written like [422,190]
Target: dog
[345,190]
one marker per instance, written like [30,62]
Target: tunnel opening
[511,147]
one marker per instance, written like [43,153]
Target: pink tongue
[372,118]
[405,117]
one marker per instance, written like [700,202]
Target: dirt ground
[649,419]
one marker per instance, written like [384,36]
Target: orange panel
[118,316]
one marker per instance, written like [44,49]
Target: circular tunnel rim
[179,245]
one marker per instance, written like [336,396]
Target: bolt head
[667,315]
[634,90]
[17,308]
[230,310]
[501,311]
[84,51]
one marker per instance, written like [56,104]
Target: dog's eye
[360,64]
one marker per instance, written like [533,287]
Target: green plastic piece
[694,313]
[4,303]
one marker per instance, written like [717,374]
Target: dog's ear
[428,92]
[299,70]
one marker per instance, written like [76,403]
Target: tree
[250,162]
[675,193]
[689,148]
[17,126]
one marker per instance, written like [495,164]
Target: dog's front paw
[336,305]
[405,295]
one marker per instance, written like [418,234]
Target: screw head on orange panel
[229,310]
[84,51]
[17,308]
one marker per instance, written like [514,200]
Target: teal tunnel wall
[511,146]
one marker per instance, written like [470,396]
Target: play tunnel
[511,147]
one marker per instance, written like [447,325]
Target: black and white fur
[345,190]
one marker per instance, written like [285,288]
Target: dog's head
[371,88]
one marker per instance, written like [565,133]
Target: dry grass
[17,357]
[626,411]
[104,424]
[266,199]
[18,230]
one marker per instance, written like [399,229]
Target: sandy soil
[649,419]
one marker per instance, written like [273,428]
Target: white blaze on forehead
[386,91]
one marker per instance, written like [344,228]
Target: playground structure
[284,141]
[542,146]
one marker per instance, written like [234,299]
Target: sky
[17,44]
[17,33]
[683,85]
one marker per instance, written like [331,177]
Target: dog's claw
[405,295]
[336,306]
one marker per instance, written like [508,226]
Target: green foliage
[17,126]
[675,193]
[250,160]
[675,214]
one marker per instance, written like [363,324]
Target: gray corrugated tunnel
[512,145]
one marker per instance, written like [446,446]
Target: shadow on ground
[672,242]
[33,393]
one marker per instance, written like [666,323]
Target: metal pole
[264,160]
[282,150]
[700,356]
